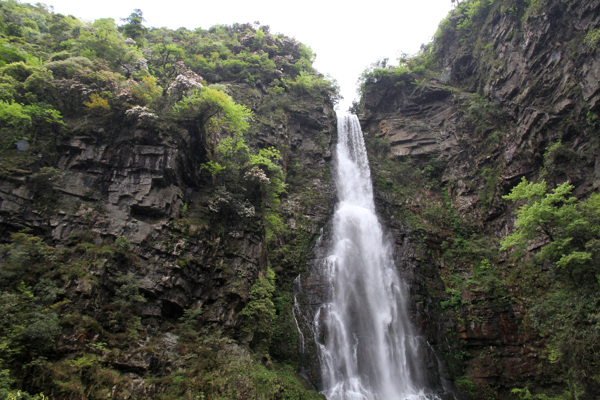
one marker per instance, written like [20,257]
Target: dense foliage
[60,76]
[567,233]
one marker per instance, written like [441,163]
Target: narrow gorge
[184,216]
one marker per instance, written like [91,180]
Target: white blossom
[258,174]
[141,113]
[246,210]
[141,64]
[184,82]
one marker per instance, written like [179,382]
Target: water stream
[367,347]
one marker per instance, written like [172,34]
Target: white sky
[346,36]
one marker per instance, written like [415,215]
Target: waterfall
[366,345]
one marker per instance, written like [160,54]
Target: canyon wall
[507,90]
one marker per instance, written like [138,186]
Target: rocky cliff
[129,207]
[161,190]
[152,225]
[507,90]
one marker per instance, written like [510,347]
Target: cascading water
[367,347]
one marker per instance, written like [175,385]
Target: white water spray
[367,347]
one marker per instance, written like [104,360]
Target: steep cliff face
[152,221]
[132,202]
[507,90]
[522,80]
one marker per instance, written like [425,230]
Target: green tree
[134,28]
[567,233]
[269,174]
[10,53]
[164,62]
[213,110]
[556,221]
[28,323]
[26,122]
[102,40]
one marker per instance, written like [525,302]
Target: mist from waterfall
[366,344]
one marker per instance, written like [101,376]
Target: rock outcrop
[509,82]
[142,189]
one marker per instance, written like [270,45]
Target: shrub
[259,313]
[97,102]
[206,103]
[67,68]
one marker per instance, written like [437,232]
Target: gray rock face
[132,185]
[530,92]
[138,185]
[520,83]
[421,122]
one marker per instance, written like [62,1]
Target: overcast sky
[346,36]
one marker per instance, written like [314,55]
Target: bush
[567,312]
[259,313]
[592,38]
[205,103]
[67,68]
